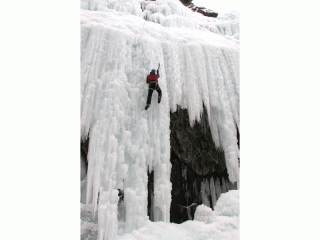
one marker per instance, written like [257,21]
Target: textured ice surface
[118,50]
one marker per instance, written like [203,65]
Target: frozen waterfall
[120,44]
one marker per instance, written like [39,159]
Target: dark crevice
[150,195]
[84,148]
[238,137]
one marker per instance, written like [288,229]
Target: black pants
[154,86]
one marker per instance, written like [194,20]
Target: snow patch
[203,214]
[228,204]
[208,224]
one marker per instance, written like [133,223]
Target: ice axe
[158,69]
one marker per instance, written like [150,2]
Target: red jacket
[152,77]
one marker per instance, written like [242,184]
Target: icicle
[107,216]
[205,192]
[227,184]
[83,190]
[223,185]
[213,192]
[217,187]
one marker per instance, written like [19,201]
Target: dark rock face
[204,11]
[194,145]
[198,173]
[186,1]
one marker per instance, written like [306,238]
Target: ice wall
[118,50]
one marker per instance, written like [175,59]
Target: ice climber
[152,80]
